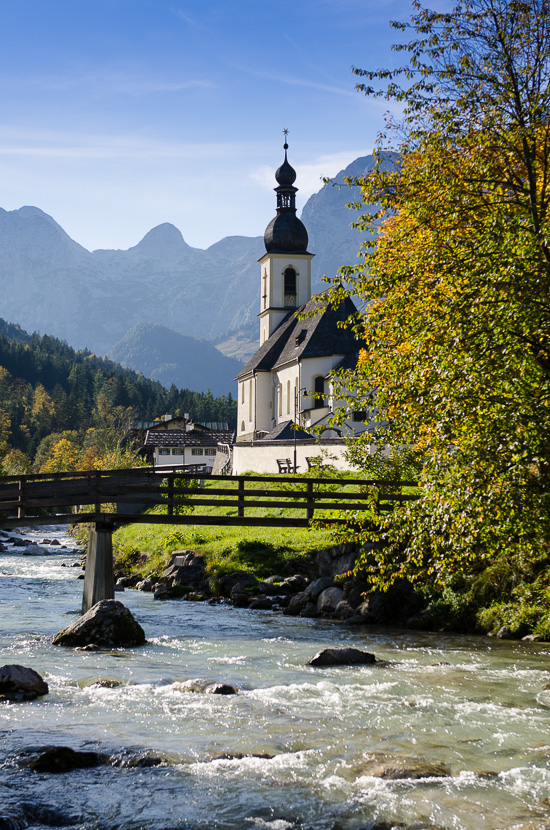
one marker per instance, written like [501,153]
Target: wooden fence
[120,496]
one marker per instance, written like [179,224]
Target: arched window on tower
[290,288]
[319,389]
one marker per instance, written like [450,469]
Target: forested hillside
[64,409]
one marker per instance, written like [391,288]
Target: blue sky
[117,115]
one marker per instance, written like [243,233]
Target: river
[300,737]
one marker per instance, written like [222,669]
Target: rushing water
[300,737]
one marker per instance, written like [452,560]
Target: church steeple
[286,265]
[286,233]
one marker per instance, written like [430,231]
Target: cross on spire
[285,145]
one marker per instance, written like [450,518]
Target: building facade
[302,341]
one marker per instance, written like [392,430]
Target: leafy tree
[16,463]
[63,457]
[456,287]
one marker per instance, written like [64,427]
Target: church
[285,392]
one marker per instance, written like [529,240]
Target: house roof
[317,335]
[286,432]
[193,438]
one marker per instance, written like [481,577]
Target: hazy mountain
[164,355]
[91,299]
[329,223]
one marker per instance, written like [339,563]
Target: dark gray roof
[286,432]
[180,438]
[315,336]
[349,361]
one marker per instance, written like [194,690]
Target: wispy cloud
[184,16]
[50,144]
[296,81]
[114,83]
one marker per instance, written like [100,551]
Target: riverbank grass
[263,551]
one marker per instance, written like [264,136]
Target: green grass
[262,551]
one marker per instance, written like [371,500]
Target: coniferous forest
[67,409]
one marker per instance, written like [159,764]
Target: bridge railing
[111,496]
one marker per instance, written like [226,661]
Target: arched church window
[280,399]
[290,288]
[243,428]
[319,389]
[288,397]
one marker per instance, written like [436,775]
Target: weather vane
[285,145]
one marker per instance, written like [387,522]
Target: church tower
[286,265]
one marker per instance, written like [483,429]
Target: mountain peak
[164,242]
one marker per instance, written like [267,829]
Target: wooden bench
[314,462]
[286,465]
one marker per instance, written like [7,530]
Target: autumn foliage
[455,286]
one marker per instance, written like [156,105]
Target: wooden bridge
[105,499]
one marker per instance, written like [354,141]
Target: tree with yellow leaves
[455,281]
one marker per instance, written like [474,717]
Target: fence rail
[112,496]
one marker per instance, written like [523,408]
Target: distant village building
[288,381]
[181,441]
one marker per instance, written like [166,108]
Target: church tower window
[290,288]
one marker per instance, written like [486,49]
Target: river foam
[292,748]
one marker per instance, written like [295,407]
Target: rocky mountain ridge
[52,284]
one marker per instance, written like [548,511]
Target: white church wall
[244,424]
[287,380]
[263,401]
[260,458]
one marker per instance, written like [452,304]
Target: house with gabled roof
[178,441]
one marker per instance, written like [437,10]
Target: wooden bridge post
[99,581]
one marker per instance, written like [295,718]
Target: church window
[243,428]
[250,399]
[288,397]
[280,399]
[290,288]
[319,389]
[242,392]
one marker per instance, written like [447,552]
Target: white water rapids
[301,736]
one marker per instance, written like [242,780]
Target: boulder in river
[221,689]
[342,657]
[18,683]
[35,550]
[396,769]
[108,624]
[58,759]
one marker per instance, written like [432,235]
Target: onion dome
[286,233]
[286,174]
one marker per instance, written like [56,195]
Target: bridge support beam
[99,581]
